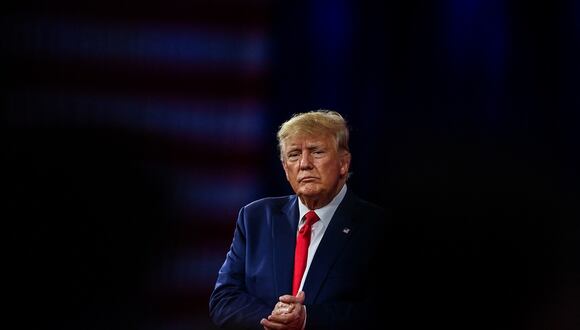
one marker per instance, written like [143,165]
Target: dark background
[132,132]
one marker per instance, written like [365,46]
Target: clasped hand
[288,313]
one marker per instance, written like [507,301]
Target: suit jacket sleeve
[231,306]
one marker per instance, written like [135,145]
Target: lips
[307,179]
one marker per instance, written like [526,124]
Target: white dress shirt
[325,214]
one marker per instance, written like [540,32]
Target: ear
[345,163]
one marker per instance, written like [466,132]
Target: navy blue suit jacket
[342,282]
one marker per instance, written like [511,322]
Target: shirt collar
[326,212]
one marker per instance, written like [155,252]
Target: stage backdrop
[133,132]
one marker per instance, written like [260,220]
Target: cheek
[291,173]
[328,172]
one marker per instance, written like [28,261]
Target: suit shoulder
[267,203]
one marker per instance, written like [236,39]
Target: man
[305,261]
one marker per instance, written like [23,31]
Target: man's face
[314,167]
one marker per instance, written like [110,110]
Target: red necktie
[301,252]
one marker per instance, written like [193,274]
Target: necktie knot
[311,218]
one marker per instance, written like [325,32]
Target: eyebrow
[309,147]
[314,146]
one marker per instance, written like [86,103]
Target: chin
[309,192]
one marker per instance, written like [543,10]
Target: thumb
[289,299]
[300,297]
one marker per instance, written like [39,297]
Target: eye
[293,155]
[318,153]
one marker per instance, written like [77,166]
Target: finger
[279,311]
[290,308]
[284,310]
[281,305]
[289,299]
[299,298]
[282,319]
[295,314]
[271,325]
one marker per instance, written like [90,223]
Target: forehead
[308,140]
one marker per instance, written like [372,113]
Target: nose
[305,161]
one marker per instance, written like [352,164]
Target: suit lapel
[340,229]
[284,227]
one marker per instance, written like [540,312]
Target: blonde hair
[315,123]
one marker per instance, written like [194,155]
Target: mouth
[307,179]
